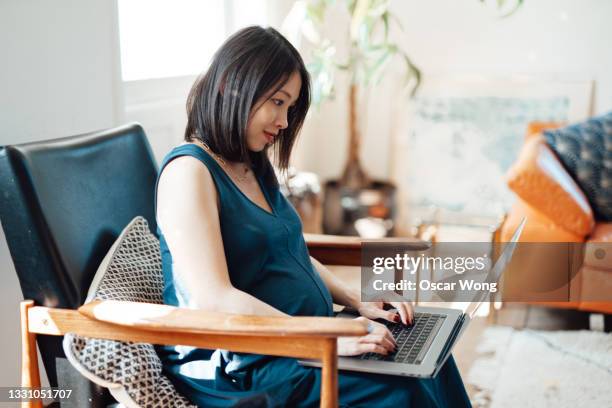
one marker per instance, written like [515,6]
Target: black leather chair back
[63,204]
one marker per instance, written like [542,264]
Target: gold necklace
[223,163]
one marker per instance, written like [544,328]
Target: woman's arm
[188,216]
[380,340]
[343,295]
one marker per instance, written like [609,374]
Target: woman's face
[269,116]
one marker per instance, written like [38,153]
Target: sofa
[563,184]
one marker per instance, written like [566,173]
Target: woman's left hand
[374,310]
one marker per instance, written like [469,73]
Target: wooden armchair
[65,203]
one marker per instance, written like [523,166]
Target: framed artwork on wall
[457,138]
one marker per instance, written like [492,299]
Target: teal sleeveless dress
[268,258]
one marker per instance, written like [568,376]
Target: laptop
[424,347]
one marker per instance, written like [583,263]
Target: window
[161,38]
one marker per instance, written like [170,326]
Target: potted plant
[370,51]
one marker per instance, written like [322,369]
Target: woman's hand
[378,340]
[374,310]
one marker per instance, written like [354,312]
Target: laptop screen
[496,271]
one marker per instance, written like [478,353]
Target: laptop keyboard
[412,341]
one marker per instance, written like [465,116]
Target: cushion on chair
[539,227]
[540,180]
[585,149]
[534,129]
[131,271]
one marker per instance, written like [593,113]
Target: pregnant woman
[231,242]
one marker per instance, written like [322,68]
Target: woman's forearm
[341,293]
[238,302]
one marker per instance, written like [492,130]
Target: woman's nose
[281,121]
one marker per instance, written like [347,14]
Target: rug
[529,368]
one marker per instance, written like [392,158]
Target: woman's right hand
[378,340]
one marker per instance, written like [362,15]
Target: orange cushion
[535,128]
[538,228]
[540,180]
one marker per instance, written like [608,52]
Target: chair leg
[30,376]
[607,322]
[329,374]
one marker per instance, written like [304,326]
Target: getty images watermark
[464,271]
[428,266]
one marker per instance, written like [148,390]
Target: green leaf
[375,71]
[397,21]
[502,3]
[412,73]
[518,4]
[385,20]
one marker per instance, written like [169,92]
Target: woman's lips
[269,136]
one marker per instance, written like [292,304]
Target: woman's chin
[257,148]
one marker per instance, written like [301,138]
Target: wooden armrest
[343,250]
[295,337]
[300,337]
[158,317]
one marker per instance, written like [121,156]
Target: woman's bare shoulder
[185,177]
[187,170]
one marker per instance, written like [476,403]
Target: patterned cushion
[539,178]
[585,150]
[131,271]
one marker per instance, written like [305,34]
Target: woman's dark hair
[253,62]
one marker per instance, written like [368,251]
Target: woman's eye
[278,102]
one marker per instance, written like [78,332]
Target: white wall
[59,68]
[58,77]
[564,38]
